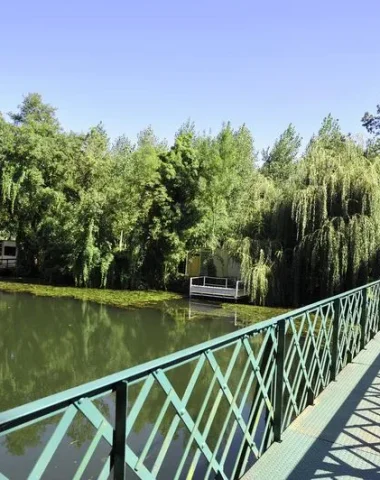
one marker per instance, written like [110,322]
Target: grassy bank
[250,314]
[247,314]
[116,298]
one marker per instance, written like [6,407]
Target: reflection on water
[49,345]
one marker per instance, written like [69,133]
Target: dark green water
[49,345]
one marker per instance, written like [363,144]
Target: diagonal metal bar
[293,349]
[260,381]
[176,420]
[90,451]
[228,417]
[197,423]
[302,352]
[97,419]
[253,419]
[216,403]
[301,370]
[317,365]
[323,350]
[52,445]
[228,396]
[139,402]
[105,471]
[268,336]
[187,420]
[224,383]
[153,433]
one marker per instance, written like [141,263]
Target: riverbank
[247,314]
[116,298]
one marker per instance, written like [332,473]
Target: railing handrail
[218,278]
[215,278]
[8,261]
[58,401]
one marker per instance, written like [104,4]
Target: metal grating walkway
[338,437]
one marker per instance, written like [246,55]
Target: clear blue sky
[134,63]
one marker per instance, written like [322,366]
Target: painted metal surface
[338,438]
[250,384]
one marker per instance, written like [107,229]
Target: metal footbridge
[295,397]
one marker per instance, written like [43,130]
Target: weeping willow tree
[256,243]
[318,233]
[336,211]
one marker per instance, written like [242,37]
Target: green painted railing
[235,397]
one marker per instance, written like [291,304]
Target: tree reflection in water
[48,345]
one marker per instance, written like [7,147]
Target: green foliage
[319,233]
[122,299]
[279,162]
[227,162]
[125,215]
[372,124]
[336,209]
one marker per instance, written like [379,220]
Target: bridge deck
[338,437]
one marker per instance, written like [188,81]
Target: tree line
[91,212]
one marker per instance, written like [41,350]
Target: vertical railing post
[372,319]
[335,340]
[226,282]
[118,449]
[204,281]
[378,311]
[280,367]
[363,319]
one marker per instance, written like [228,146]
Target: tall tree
[175,211]
[33,175]
[228,162]
[279,161]
[372,124]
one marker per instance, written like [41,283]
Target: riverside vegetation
[116,298]
[247,314]
[92,213]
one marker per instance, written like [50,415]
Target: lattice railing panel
[349,327]
[307,359]
[372,318]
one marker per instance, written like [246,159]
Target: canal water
[50,344]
